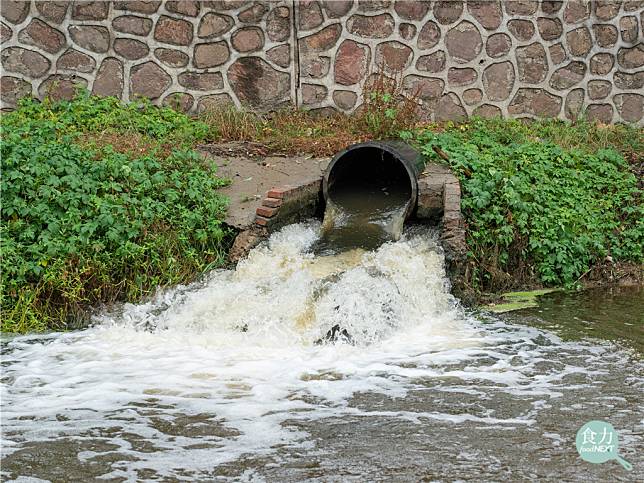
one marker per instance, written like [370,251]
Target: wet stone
[12,89]
[183,7]
[498,45]
[131,24]
[253,14]
[628,81]
[449,108]
[520,7]
[551,6]
[599,89]
[76,61]
[605,35]
[149,80]
[91,37]
[549,28]
[345,100]
[557,53]
[278,24]
[179,101]
[41,35]
[600,112]
[411,10]
[322,40]
[434,62]
[61,87]
[487,111]
[210,54]
[407,31]
[315,67]
[52,11]
[171,57]
[425,88]
[373,5]
[628,27]
[576,11]
[498,81]
[130,49]
[248,39]
[448,12]
[463,42]
[393,56]
[461,77]
[429,35]
[374,26]
[574,104]
[536,102]
[579,41]
[630,107]
[174,31]
[313,94]
[310,15]
[5,32]
[487,13]
[601,64]
[569,75]
[472,96]
[532,63]
[631,58]
[280,55]
[90,10]
[214,25]
[521,29]
[337,8]
[351,62]
[24,61]
[607,9]
[14,11]
[109,80]
[141,6]
[257,84]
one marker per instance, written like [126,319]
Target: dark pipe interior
[369,175]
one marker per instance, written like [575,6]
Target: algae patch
[518,300]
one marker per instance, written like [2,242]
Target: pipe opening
[369,177]
[370,189]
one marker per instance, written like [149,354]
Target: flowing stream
[242,377]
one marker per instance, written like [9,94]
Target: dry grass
[386,109]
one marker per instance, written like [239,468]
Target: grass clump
[385,110]
[542,201]
[89,217]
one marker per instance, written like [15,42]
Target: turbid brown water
[223,380]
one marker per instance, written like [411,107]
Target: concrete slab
[252,177]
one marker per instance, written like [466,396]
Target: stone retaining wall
[512,58]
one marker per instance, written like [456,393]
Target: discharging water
[235,378]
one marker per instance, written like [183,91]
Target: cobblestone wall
[511,58]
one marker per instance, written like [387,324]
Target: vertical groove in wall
[296,57]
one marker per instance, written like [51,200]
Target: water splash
[204,374]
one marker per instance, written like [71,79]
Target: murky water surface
[234,379]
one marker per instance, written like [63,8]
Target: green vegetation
[518,300]
[101,202]
[543,201]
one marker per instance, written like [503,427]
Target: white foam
[240,347]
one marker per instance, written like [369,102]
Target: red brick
[260,220]
[278,192]
[266,211]
[272,202]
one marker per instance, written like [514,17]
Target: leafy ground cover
[101,202]
[543,201]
